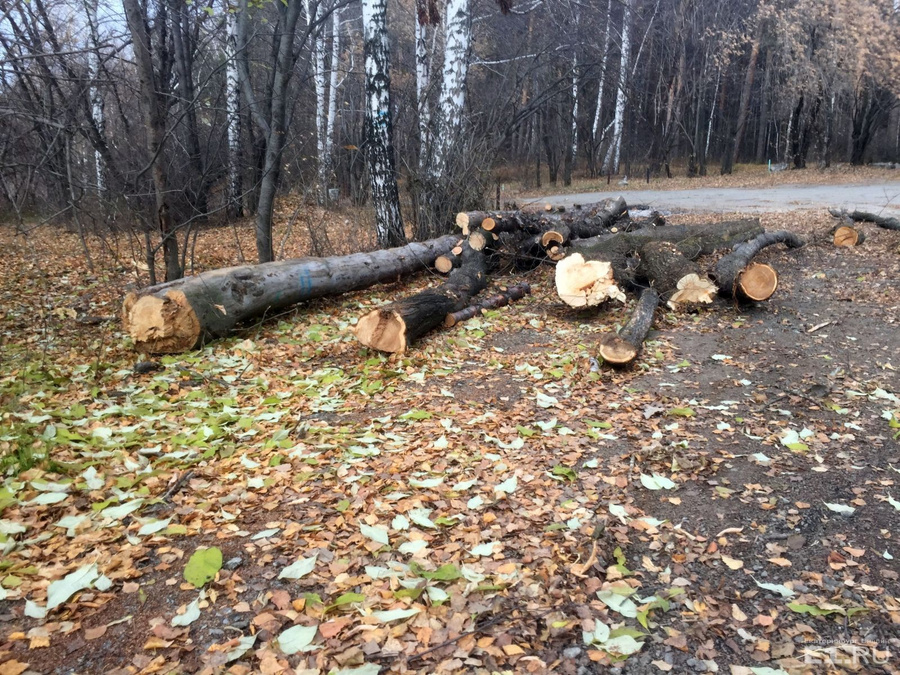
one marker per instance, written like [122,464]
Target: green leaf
[656,482]
[681,412]
[191,614]
[346,599]
[377,534]
[298,639]
[448,572]
[203,566]
[813,610]
[395,614]
[525,431]
[564,472]
[343,505]
[63,589]
[416,415]
[299,569]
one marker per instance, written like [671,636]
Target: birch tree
[233,117]
[611,163]
[379,125]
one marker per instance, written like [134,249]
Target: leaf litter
[344,512]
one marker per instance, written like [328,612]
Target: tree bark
[888,223]
[739,277]
[584,227]
[501,299]
[621,349]
[155,121]
[380,125]
[593,268]
[611,163]
[179,316]
[233,119]
[395,327]
[746,91]
[677,279]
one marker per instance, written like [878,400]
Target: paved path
[879,198]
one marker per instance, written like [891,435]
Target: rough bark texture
[379,125]
[584,227]
[178,316]
[622,349]
[501,299]
[677,279]
[738,277]
[502,221]
[395,327]
[863,217]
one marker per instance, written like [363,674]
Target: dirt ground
[491,501]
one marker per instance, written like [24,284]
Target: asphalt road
[878,198]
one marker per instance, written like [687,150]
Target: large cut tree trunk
[739,277]
[677,279]
[180,315]
[395,327]
[622,349]
[592,268]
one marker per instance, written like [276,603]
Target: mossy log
[180,315]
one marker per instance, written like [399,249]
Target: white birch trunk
[97,111]
[314,12]
[453,87]
[611,163]
[574,149]
[712,113]
[379,125]
[423,77]
[326,166]
[598,112]
[233,116]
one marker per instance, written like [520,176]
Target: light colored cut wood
[168,322]
[581,283]
[758,282]
[693,289]
[382,330]
[846,237]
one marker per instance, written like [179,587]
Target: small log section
[501,299]
[885,222]
[739,277]
[622,349]
[847,236]
[676,278]
[180,315]
[394,327]
[586,283]
[449,261]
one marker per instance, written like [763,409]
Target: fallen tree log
[739,277]
[501,221]
[864,217]
[580,283]
[621,349]
[180,315]
[501,299]
[394,327]
[847,236]
[449,261]
[678,280]
[582,228]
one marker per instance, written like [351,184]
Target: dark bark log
[501,299]
[887,223]
[584,281]
[582,227]
[677,279]
[622,349]
[180,315]
[451,260]
[395,327]
[502,221]
[739,277]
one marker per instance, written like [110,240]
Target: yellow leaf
[733,563]
[781,562]
[737,614]
[157,643]
[513,650]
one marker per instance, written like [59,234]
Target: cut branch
[501,299]
[394,327]
[582,227]
[738,277]
[864,217]
[622,349]
[183,314]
